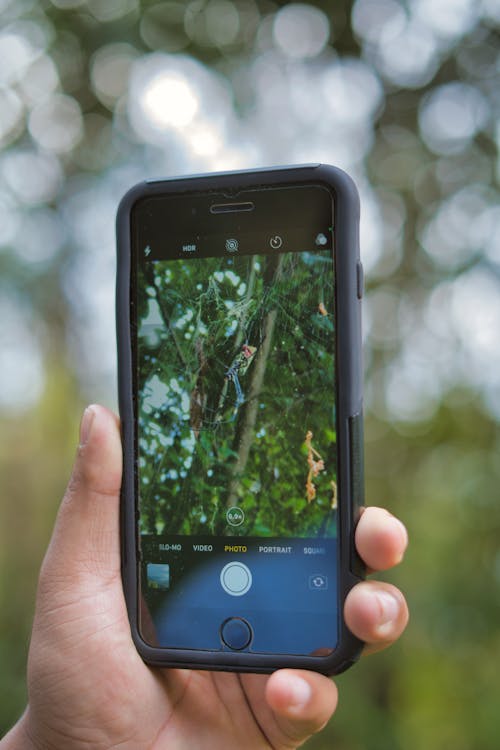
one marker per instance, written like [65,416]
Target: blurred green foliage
[405,95]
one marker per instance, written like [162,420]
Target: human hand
[89,688]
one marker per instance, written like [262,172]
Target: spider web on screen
[218,339]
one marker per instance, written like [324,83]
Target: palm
[132,705]
[218,710]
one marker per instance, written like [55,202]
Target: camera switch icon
[318,582]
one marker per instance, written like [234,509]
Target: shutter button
[236,578]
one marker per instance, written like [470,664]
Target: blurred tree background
[403,94]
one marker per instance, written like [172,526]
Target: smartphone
[240,389]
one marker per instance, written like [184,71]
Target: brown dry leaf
[333,503]
[315,463]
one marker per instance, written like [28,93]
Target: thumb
[85,546]
[302,702]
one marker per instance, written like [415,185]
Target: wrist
[19,737]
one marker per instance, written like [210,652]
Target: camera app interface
[236,445]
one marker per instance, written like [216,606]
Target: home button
[236,633]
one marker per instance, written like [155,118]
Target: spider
[240,365]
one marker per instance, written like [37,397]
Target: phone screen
[235,392]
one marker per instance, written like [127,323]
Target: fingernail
[300,692]
[389,612]
[403,533]
[86,424]
[402,530]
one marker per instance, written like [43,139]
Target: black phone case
[348,273]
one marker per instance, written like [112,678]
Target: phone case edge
[349,401]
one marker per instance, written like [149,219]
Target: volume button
[360,279]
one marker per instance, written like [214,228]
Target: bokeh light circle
[56,124]
[301,31]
